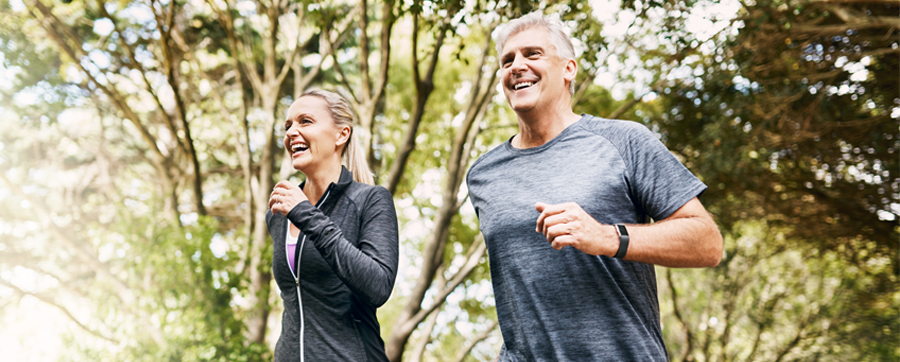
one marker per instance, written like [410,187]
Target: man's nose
[518,64]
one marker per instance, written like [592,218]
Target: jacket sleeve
[369,270]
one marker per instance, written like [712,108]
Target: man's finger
[552,220]
[563,241]
[556,231]
[546,210]
[549,209]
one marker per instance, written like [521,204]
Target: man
[550,201]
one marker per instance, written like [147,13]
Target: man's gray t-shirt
[565,305]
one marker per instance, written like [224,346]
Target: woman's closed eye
[302,122]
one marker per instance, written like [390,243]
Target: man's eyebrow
[506,56]
[532,47]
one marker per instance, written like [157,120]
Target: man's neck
[536,129]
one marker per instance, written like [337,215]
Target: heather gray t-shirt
[564,305]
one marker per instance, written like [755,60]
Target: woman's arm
[370,269]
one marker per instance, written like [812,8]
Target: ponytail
[355,160]
[353,156]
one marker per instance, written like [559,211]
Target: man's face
[532,73]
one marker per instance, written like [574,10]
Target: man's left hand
[568,224]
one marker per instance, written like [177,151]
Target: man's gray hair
[558,36]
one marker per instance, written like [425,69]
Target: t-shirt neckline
[525,151]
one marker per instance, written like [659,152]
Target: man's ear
[343,136]
[571,70]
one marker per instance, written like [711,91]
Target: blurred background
[139,141]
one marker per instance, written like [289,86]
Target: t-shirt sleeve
[658,182]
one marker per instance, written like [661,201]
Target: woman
[335,238]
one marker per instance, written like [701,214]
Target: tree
[771,300]
[790,120]
[141,139]
[184,65]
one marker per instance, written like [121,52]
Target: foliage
[772,300]
[140,140]
[792,121]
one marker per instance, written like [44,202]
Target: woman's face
[311,137]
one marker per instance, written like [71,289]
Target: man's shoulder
[624,135]
[491,155]
[612,127]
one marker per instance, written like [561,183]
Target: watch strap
[623,241]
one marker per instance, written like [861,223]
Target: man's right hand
[567,224]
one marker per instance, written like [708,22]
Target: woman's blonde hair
[353,156]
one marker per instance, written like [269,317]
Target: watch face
[621,229]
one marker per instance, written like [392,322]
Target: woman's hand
[285,196]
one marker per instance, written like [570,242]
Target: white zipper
[300,296]
[296,278]
[296,274]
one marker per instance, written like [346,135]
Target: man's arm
[689,238]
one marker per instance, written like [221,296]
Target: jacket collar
[345,180]
[335,190]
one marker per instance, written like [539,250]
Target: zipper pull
[297,281]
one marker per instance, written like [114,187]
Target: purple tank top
[291,248]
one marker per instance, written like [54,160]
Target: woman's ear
[343,136]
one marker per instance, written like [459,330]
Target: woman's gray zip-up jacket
[347,266]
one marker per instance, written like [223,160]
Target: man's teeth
[524,85]
[299,147]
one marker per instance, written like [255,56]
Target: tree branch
[364,50]
[343,76]
[481,336]
[424,88]
[688,336]
[53,26]
[426,338]
[413,314]
[477,250]
[171,66]
[51,302]
[387,25]
[132,59]
[289,60]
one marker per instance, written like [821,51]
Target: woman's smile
[298,148]
[311,137]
